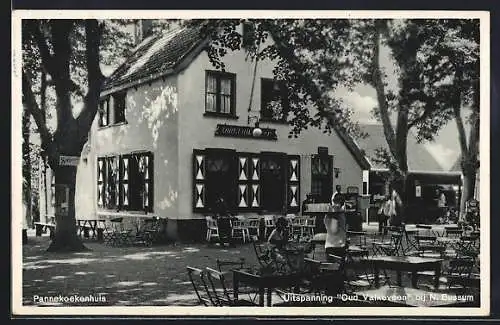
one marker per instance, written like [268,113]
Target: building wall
[196,131]
[152,125]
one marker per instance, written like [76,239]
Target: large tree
[316,57]
[70,52]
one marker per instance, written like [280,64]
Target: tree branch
[39,116]
[93,33]
[378,84]
[47,58]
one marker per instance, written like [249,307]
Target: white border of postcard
[16,186]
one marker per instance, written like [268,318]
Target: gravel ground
[131,276]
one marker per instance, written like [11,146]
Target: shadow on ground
[131,276]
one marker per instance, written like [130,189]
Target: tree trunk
[65,238]
[468,186]
[27,168]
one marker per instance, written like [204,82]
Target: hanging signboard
[68,160]
[237,131]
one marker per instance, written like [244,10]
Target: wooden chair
[239,228]
[253,225]
[219,292]
[298,224]
[212,228]
[269,225]
[197,279]
[309,225]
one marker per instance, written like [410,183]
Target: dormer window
[112,109]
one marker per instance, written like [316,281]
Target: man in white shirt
[335,224]
[336,194]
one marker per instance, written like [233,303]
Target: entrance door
[221,178]
[273,181]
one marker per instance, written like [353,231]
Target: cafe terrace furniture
[42,227]
[265,283]
[253,225]
[118,234]
[392,247]
[401,264]
[212,229]
[87,226]
[269,225]
[412,297]
[199,283]
[429,246]
[219,293]
[239,228]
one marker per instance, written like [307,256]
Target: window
[104,112]
[119,107]
[246,181]
[274,101]
[112,109]
[126,182]
[321,177]
[220,93]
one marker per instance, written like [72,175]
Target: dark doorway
[272,168]
[221,178]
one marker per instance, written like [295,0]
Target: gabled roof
[156,56]
[167,53]
[419,158]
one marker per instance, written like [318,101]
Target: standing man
[336,194]
[335,224]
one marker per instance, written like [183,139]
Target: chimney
[142,29]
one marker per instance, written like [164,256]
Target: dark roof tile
[156,54]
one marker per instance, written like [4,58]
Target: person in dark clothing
[308,200]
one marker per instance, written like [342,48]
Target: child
[279,236]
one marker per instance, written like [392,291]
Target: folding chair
[196,277]
[393,247]
[219,292]
[427,246]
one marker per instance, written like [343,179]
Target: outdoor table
[266,283]
[412,297]
[91,223]
[411,264]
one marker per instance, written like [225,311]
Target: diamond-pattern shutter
[243,182]
[199,185]
[254,182]
[293,184]
[146,167]
[101,182]
[124,177]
